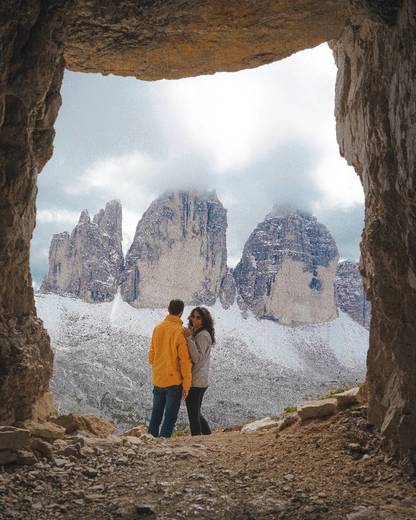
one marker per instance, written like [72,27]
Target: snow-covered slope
[258,366]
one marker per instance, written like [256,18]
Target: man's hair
[176,307]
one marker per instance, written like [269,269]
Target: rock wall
[179,251]
[178,38]
[88,263]
[31,69]
[376,114]
[228,289]
[287,270]
[350,294]
[375,110]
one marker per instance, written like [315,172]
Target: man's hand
[184,394]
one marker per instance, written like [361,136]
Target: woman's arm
[199,346]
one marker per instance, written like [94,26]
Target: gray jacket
[200,350]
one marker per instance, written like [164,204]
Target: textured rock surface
[227,475]
[173,39]
[376,113]
[179,251]
[88,263]
[31,70]
[287,270]
[316,409]
[350,294]
[228,290]
[13,438]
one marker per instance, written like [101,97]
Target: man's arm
[151,353]
[185,364]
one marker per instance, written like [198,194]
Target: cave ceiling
[173,39]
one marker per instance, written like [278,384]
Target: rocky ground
[323,469]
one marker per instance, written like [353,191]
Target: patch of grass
[290,409]
[181,431]
[354,407]
[333,392]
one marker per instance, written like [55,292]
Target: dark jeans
[165,401]
[197,423]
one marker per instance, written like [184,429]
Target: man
[171,370]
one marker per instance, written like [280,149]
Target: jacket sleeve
[199,346]
[151,353]
[184,362]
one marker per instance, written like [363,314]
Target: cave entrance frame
[375,49]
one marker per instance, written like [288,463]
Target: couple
[180,364]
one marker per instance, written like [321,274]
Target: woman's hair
[207,321]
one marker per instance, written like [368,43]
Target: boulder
[12,438]
[45,430]
[26,458]
[288,420]
[43,447]
[348,397]
[97,442]
[130,439]
[86,423]
[261,424]
[317,409]
[7,456]
[137,431]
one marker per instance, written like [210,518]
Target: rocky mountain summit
[179,249]
[286,273]
[287,270]
[350,293]
[88,262]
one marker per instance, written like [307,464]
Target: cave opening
[264,141]
[374,47]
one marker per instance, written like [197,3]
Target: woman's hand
[187,331]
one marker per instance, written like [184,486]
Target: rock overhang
[173,39]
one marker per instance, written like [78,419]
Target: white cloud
[54,215]
[232,118]
[339,184]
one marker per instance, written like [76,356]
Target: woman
[201,336]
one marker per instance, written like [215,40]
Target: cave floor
[328,469]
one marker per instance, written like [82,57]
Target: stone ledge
[317,409]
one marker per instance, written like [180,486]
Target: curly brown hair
[207,321]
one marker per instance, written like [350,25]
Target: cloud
[61,216]
[338,183]
[232,118]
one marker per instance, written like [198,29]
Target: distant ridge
[288,271]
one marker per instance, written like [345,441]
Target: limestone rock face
[228,290]
[179,251]
[154,40]
[88,263]
[32,67]
[287,270]
[376,131]
[350,293]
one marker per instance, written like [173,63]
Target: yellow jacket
[169,356]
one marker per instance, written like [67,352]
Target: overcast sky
[258,137]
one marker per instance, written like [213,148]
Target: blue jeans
[166,401]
